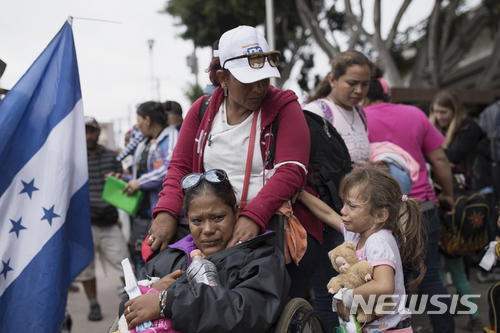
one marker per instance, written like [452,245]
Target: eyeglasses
[256,60]
[214,176]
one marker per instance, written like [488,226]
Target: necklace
[342,113]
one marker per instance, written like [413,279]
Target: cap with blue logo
[240,41]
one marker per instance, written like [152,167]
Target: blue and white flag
[45,234]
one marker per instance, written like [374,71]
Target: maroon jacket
[293,144]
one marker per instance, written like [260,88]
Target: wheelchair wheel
[298,316]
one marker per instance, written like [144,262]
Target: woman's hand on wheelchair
[167,280]
[142,308]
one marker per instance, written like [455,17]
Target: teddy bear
[352,274]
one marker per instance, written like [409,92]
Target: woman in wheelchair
[254,283]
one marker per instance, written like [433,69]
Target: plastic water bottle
[202,271]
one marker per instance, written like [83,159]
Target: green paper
[113,195]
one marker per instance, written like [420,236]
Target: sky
[118,70]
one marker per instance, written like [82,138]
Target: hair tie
[383,83]
[404,198]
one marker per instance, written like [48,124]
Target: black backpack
[465,232]
[328,157]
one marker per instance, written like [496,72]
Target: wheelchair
[298,316]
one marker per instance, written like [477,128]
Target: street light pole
[151,43]
[270,30]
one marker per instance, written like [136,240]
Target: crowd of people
[215,180]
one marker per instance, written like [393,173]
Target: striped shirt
[100,164]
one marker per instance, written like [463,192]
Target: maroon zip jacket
[293,144]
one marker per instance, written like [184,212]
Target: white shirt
[351,127]
[227,148]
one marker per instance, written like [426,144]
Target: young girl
[386,228]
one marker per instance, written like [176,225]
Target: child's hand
[343,312]
[297,196]
[368,277]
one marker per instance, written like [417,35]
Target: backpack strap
[204,106]
[327,112]
[362,114]
[272,150]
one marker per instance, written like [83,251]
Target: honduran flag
[45,235]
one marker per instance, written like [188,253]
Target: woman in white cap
[235,134]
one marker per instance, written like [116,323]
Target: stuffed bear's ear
[350,245]
[332,255]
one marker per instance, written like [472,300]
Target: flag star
[29,188]
[49,214]
[16,227]
[6,268]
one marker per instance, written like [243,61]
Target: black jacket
[254,289]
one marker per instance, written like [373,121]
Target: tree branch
[287,70]
[376,19]
[432,52]
[462,42]
[354,21]
[395,24]
[447,26]
[310,20]
[491,65]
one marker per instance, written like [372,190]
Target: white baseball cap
[240,41]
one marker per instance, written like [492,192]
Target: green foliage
[193,92]
[303,80]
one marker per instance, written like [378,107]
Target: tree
[448,34]
[207,20]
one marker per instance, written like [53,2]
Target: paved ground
[109,300]
[421,321]
[107,295]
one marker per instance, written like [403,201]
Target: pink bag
[162,325]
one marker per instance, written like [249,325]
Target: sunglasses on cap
[256,60]
[214,176]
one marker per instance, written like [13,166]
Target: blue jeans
[402,177]
[324,272]
[301,274]
[431,284]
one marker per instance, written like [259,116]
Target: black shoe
[95,313]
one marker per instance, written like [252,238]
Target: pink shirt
[381,249]
[408,127]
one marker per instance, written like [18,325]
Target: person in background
[135,137]
[151,159]
[108,238]
[174,112]
[244,103]
[487,178]
[448,114]
[128,160]
[408,127]
[336,99]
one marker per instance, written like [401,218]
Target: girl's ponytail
[412,238]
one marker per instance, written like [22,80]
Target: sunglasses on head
[214,176]
[256,60]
